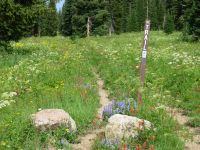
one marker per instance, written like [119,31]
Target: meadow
[57,72]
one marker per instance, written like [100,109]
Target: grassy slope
[52,75]
[172,77]
[117,59]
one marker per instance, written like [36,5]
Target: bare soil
[87,140]
[194,143]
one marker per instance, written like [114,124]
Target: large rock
[123,126]
[53,118]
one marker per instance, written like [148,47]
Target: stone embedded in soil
[52,119]
[123,126]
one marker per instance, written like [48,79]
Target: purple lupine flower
[108,110]
[121,104]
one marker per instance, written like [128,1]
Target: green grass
[57,73]
[53,76]
[172,75]
[171,78]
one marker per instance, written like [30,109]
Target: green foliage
[66,18]
[160,13]
[192,21]
[132,24]
[141,14]
[12,22]
[49,20]
[75,16]
[170,80]
[53,74]
[178,15]
[17,19]
[153,14]
[56,73]
[115,10]
[169,24]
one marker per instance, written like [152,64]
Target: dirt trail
[87,140]
[193,144]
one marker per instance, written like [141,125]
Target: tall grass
[51,75]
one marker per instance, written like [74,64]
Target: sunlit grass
[57,73]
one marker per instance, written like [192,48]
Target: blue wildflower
[121,105]
[108,110]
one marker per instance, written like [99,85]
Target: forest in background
[22,18]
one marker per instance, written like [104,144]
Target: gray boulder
[123,126]
[52,119]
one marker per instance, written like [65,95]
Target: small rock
[123,126]
[53,118]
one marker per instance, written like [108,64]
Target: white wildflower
[7,95]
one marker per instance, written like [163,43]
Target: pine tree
[60,21]
[132,24]
[115,9]
[153,14]
[160,13]
[169,6]
[17,18]
[169,24]
[126,11]
[140,14]
[101,20]
[96,10]
[192,20]
[49,21]
[66,19]
[178,8]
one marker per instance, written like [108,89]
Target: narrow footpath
[182,119]
[87,140]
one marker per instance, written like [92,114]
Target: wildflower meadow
[58,72]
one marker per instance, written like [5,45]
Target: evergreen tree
[17,18]
[49,21]
[132,24]
[160,13]
[192,20]
[169,6]
[96,10]
[153,14]
[140,14]
[66,19]
[126,11]
[60,21]
[169,24]
[178,8]
[116,12]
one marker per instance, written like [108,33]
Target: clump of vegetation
[169,24]
[125,107]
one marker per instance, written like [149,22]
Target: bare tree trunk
[164,20]
[88,27]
